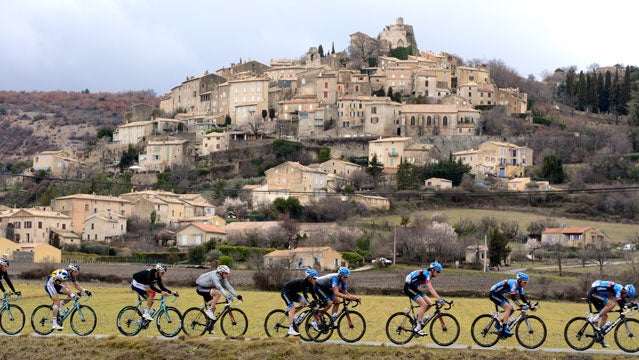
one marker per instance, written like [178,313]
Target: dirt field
[375,281]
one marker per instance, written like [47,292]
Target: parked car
[382,261]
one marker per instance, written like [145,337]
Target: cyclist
[604,295]
[290,295]
[4,266]
[147,283]
[58,283]
[331,287]
[515,289]
[212,285]
[422,278]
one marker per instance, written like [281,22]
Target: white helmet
[73,267]
[160,267]
[223,269]
[4,262]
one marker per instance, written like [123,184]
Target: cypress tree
[320,50]
[593,97]
[582,92]
[624,95]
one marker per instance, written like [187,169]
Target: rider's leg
[215,294]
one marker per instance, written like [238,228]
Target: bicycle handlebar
[348,301]
[174,296]
[14,296]
[448,305]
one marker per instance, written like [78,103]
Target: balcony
[393,154]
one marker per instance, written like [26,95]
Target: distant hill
[35,121]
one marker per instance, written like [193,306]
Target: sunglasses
[437,271]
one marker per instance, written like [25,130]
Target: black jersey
[150,277]
[300,285]
[4,275]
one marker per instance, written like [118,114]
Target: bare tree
[290,227]
[559,253]
[601,253]
[362,48]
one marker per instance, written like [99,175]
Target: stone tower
[398,35]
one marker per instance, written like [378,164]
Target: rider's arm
[432,291]
[218,285]
[9,283]
[230,288]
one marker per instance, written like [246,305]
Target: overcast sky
[121,45]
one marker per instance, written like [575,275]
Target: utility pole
[394,243]
[485,250]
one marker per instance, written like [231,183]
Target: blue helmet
[436,266]
[523,276]
[312,273]
[343,271]
[4,262]
[630,290]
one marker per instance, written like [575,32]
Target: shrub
[354,259]
[541,120]
[225,260]
[271,279]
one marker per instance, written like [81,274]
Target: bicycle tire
[276,324]
[579,334]
[531,332]
[169,321]
[41,319]
[194,322]
[324,323]
[627,335]
[83,320]
[12,319]
[399,328]
[234,323]
[129,321]
[444,329]
[351,326]
[483,331]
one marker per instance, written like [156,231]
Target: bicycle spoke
[276,324]
[579,333]
[531,332]
[234,323]
[483,331]
[444,329]
[399,328]
[351,326]
[627,335]
[12,319]
[194,322]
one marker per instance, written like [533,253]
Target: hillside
[37,121]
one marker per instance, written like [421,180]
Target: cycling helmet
[73,267]
[223,269]
[343,271]
[160,267]
[630,290]
[436,266]
[4,262]
[522,276]
[312,273]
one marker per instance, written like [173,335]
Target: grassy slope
[107,301]
[618,233]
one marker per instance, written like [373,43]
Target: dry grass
[107,301]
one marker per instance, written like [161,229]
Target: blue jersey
[507,286]
[418,278]
[331,281]
[607,288]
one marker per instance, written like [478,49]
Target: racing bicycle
[444,327]
[529,330]
[233,321]
[81,317]
[350,324]
[11,315]
[167,318]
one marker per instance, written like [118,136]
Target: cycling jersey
[5,275]
[511,287]
[601,290]
[53,285]
[330,281]
[213,279]
[418,278]
[291,290]
[150,278]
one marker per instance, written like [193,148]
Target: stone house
[438,183]
[236,229]
[104,227]
[435,119]
[170,208]
[381,117]
[577,237]
[80,206]
[213,142]
[133,132]
[319,258]
[56,161]
[421,154]
[310,124]
[477,94]
[248,96]
[372,202]
[195,234]
[389,151]
[497,158]
[291,179]
[162,154]
[32,252]
[34,225]
[514,100]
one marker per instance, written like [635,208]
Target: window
[86,207]
[92,226]
[27,224]
[325,85]
[16,225]
[39,224]
[412,121]
[445,121]
[429,121]
[374,110]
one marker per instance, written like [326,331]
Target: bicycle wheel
[12,319]
[169,321]
[129,321]
[399,328]
[234,323]
[444,329]
[41,320]
[194,322]
[351,326]
[276,324]
[627,335]
[531,332]
[483,331]
[579,333]
[83,320]
[318,326]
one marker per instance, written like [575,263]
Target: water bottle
[298,318]
[606,325]
[426,318]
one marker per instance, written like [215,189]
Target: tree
[324,154]
[128,158]
[559,253]
[375,168]
[320,50]
[290,227]
[407,176]
[451,170]
[361,48]
[498,249]
[601,253]
[552,169]
[105,131]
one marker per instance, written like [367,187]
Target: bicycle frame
[438,310]
[7,299]
[622,315]
[64,313]
[157,310]
[512,323]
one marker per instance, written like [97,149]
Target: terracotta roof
[209,228]
[567,230]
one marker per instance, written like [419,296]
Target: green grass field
[107,301]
